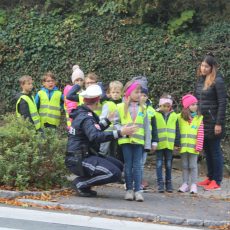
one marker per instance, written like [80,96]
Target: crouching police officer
[85,135]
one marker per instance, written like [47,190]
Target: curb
[131,214]
[14,194]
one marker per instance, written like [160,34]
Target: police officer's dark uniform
[85,136]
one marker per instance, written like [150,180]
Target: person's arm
[200,138]
[147,133]
[23,109]
[155,138]
[104,111]
[222,100]
[95,134]
[62,101]
[72,95]
[177,138]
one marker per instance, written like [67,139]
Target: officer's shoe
[84,192]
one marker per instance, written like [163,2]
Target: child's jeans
[144,157]
[133,159]
[164,155]
[189,167]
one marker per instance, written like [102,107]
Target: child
[153,128]
[49,101]
[192,137]
[77,77]
[26,106]
[133,112]
[109,107]
[168,134]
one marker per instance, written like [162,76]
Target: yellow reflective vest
[139,136]
[112,107]
[32,108]
[50,111]
[188,133]
[166,131]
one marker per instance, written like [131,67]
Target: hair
[186,114]
[210,79]
[48,74]
[115,85]
[92,76]
[24,79]
[127,101]
[166,95]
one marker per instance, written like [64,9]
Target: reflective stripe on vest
[49,110]
[33,110]
[166,131]
[189,134]
[139,136]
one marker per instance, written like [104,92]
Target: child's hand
[128,130]
[154,148]
[111,116]
[177,148]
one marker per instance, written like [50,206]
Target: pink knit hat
[188,100]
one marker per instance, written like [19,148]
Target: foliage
[33,42]
[29,160]
[182,23]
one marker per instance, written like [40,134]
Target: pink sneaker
[193,189]
[184,188]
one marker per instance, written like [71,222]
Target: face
[89,82]
[193,107]
[28,86]
[165,107]
[205,68]
[49,83]
[144,98]
[115,94]
[136,95]
[79,81]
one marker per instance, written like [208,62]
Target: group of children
[160,131]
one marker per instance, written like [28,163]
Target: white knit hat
[77,73]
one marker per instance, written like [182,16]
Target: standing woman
[211,94]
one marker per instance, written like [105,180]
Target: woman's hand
[218,129]
[128,130]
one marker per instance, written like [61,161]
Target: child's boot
[169,187]
[161,187]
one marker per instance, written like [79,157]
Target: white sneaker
[129,195]
[183,188]
[193,189]
[139,197]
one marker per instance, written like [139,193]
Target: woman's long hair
[127,100]
[210,78]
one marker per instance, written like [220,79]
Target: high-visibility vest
[112,107]
[188,133]
[151,113]
[139,136]
[32,108]
[166,131]
[50,111]
[98,110]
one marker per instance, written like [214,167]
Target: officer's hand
[128,130]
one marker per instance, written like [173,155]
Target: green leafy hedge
[29,161]
[114,47]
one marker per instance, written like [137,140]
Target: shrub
[27,159]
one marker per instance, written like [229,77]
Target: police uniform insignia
[72,131]
[97,126]
[90,114]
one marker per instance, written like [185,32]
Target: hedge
[33,43]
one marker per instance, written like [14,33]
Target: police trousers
[97,171]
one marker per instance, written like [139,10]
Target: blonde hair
[24,79]
[127,101]
[92,76]
[210,79]
[48,74]
[115,85]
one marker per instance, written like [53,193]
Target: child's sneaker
[212,186]
[204,182]
[161,187]
[129,195]
[139,197]
[169,187]
[184,188]
[193,189]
